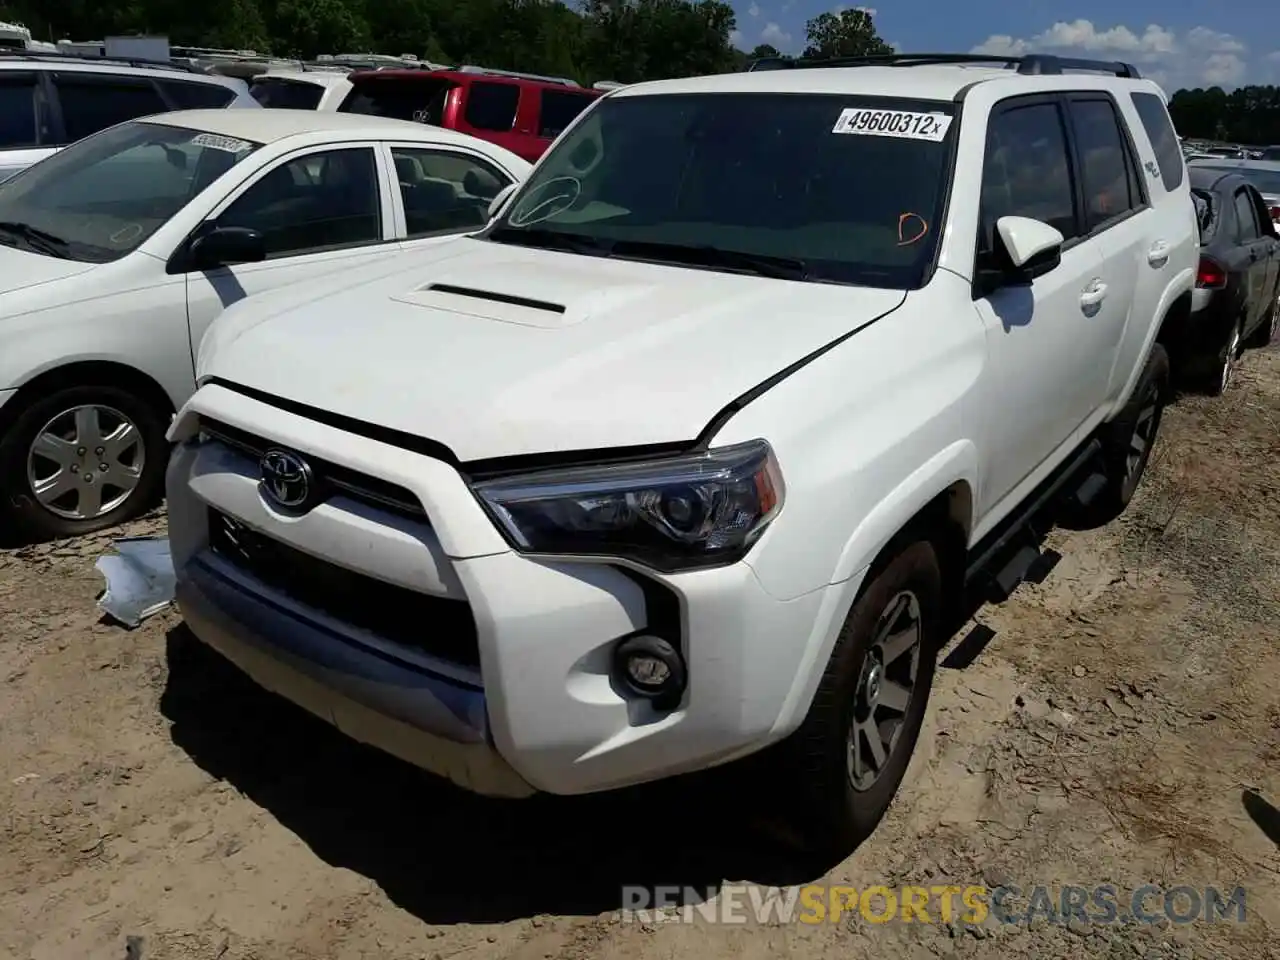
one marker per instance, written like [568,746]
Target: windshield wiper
[551,240]
[39,240]
[763,265]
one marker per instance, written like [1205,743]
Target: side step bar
[1005,556]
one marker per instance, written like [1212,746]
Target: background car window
[402,98]
[189,95]
[1104,169]
[18,118]
[1246,217]
[1159,128]
[444,191]
[1027,172]
[1206,213]
[93,104]
[557,109]
[286,94]
[106,195]
[316,202]
[492,106]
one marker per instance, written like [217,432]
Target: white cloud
[869,11]
[1195,58]
[775,36]
[735,38]
[753,10]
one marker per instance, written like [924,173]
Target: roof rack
[40,55]
[563,81]
[1035,64]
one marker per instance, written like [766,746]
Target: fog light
[652,668]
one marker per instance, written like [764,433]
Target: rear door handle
[1158,255]
[1093,294]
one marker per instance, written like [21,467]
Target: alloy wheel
[85,462]
[886,687]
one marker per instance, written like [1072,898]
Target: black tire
[1138,418]
[829,814]
[1266,331]
[1218,379]
[23,514]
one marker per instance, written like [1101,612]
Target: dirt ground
[1120,725]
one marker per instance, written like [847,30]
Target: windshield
[1266,181]
[104,196]
[839,189]
[286,94]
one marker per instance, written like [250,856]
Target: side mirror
[1028,240]
[1025,249]
[500,198]
[223,246]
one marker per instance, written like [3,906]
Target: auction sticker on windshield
[216,142]
[903,124]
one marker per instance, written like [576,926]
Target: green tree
[849,33]
[763,51]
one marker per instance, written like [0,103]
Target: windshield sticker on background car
[216,142]
[904,124]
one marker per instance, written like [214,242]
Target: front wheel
[80,459]
[844,764]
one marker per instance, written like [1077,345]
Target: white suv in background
[694,452]
[50,100]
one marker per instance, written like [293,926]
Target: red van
[518,111]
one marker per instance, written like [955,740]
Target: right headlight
[678,513]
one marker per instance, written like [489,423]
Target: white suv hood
[550,352]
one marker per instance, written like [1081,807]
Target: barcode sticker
[215,142]
[902,124]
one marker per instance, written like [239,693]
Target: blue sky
[1191,43]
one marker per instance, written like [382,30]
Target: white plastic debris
[140,579]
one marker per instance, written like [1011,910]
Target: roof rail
[1035,64]
[563,81]
[88,58]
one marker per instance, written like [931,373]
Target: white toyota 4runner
[697,448]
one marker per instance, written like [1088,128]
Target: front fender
[957,463]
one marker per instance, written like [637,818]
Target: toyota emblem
[286,479]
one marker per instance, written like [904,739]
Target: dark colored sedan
[1238,282]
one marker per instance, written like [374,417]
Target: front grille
[437,626]
[352,483]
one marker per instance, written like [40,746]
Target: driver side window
[1026,172]
[322,201]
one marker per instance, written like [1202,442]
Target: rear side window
[1206,213]
[90,104]
[1247,229]
[286,94]
[1159,128]
[1027,172]
[190,95]
[19,125]
[492,106]
[1108,187]
[557,109]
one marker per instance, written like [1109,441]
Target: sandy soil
[1105,726]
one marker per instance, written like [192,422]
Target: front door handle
[1093,294]
[1158,255]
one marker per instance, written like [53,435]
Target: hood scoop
[487,304]
[495,297]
